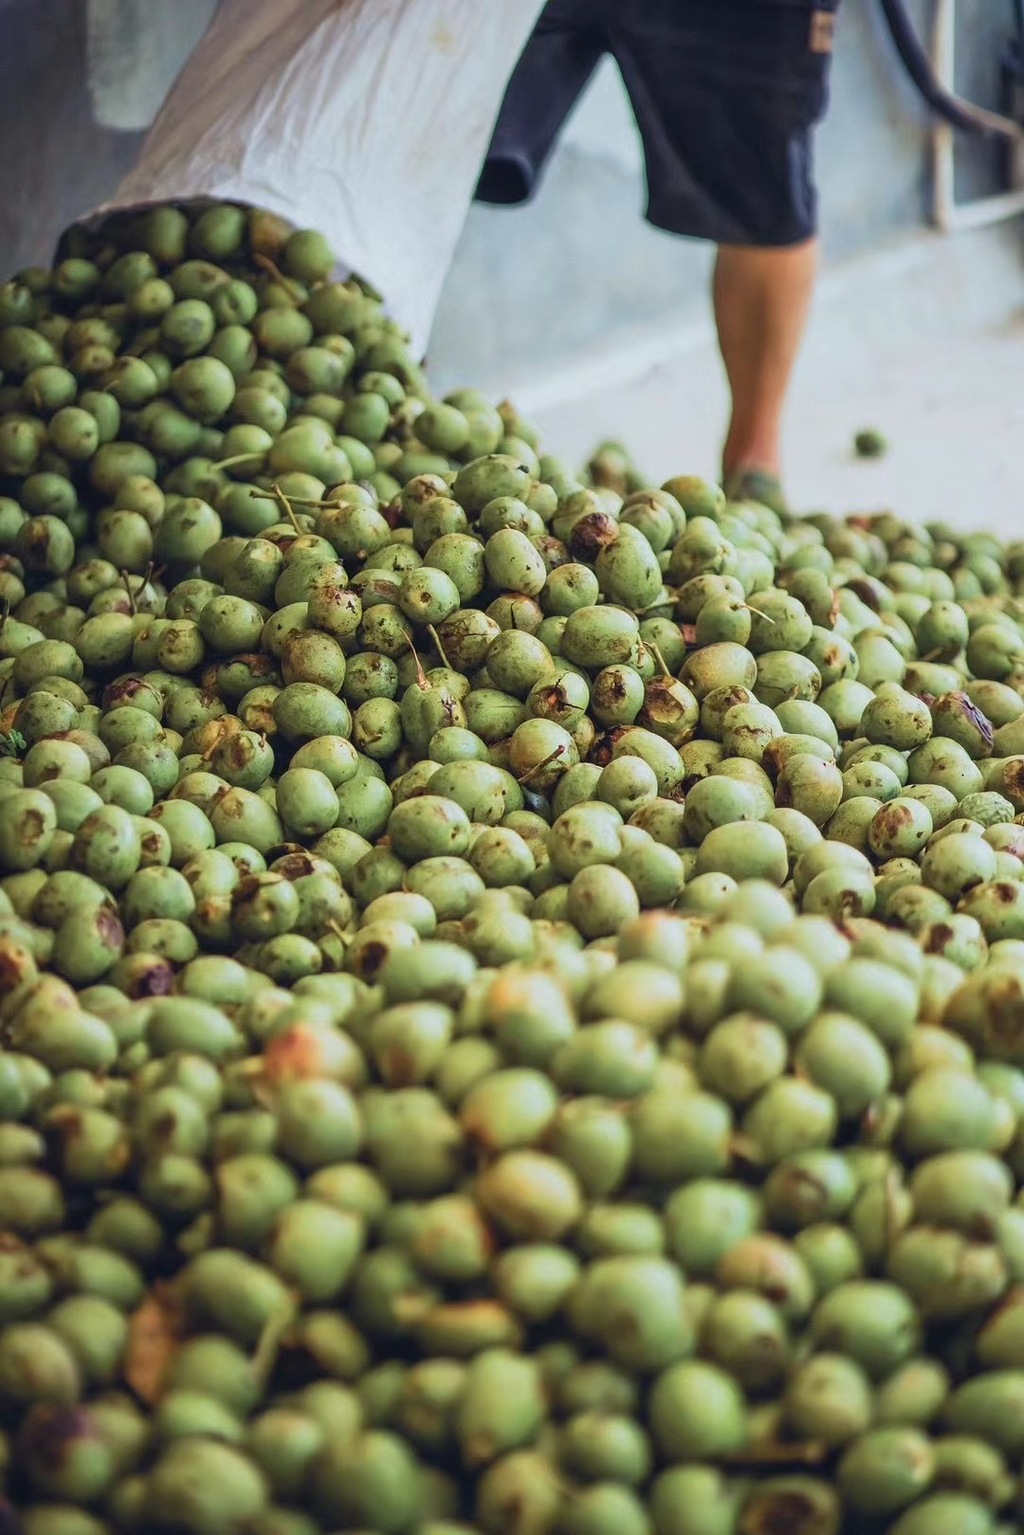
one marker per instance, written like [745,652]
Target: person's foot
[751,484]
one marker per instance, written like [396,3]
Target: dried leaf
[272,1338]
[155,1333]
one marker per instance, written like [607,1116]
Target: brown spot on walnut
[591,534]
[34,826]
[108,926]
[49,1433]
[866,591]
[156,980]
[294,865]
[16,964]
[939,934]
[783,1512]
[371,957]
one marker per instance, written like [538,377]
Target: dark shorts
[726,94]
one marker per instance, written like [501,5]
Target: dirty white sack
[366,119]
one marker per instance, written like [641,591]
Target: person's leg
[726,95]
[762,297]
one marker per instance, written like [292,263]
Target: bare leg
[762,297]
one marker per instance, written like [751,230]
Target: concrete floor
[924,341]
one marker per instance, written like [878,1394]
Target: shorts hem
[506,181]
[689,224]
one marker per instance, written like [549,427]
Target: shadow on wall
[134,51]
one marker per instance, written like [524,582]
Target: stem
[656,653]
[779,1454]
[765,616]
[892,1214]
[254,490]
[289,285]
[421,676]
[286,506]
[128,588]
[746,1148]
[237,458]
[438,646]
[544,762]
[265,1357]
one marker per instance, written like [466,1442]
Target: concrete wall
[528,287]
[56,159]
[80,80]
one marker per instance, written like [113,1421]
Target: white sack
[366,119]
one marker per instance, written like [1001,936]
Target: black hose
[951,108]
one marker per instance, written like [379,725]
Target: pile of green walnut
[511,984]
